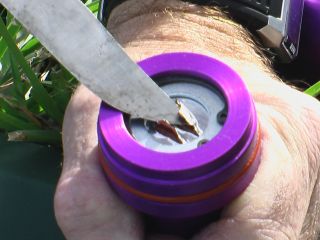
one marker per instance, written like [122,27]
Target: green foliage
[314,90]
[34,87]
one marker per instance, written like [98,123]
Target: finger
[79,130]
[276,202]
[85,206]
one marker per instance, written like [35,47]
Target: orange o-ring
[188,198]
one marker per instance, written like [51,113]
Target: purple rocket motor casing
[188,186]
[193,182]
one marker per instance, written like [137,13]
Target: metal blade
[82,44]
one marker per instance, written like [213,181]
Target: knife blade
[72,34]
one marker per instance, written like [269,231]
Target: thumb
[85,205]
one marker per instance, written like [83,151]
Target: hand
[282,202]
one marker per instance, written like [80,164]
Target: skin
[282,202]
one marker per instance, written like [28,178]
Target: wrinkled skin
[283,200]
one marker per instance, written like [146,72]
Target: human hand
[282,202]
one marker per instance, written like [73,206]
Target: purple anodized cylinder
[192,182]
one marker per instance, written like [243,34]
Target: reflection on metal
[192,123]
[168,130]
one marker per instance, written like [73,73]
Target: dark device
[276,22]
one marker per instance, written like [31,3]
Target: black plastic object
[28,175]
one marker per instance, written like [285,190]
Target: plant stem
[37,136]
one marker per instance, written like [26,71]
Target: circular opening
[202,142]
[222,117]
[204,101]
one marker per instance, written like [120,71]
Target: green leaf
[94,7]
[19,110]
[314,90]
[30,46]
[13,29]
[38,91]
[17,81]
[5,126]
[5,107]
[10,122]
